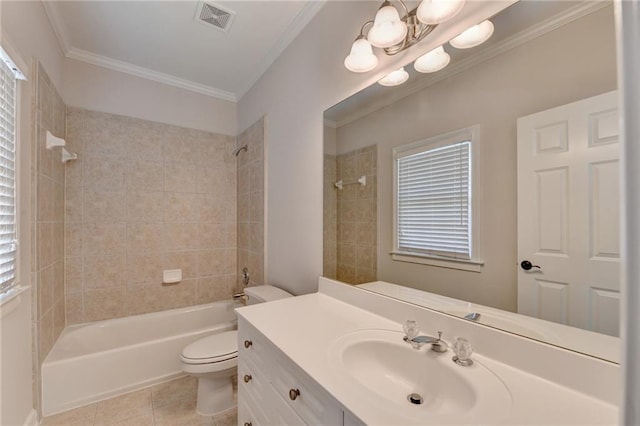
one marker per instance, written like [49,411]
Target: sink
[381,366]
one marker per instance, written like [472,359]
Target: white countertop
[320,320]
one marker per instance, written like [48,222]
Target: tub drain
[414,398]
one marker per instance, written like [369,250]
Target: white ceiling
[160,40]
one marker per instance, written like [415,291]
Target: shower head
[242,148]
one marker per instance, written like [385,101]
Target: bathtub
[99,360]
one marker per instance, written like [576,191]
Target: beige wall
[101,89]
[143,197]
[306,79]
[251,203]
[536,76]
[26,32]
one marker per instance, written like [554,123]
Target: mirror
[542,55]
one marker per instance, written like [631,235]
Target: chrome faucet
[411,336]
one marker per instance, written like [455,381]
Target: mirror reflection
[537,105]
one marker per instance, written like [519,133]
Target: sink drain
[414,398]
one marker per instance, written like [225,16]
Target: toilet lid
[214,348]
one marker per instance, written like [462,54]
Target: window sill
[11,299]
[472,265]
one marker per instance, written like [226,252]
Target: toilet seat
[212,349]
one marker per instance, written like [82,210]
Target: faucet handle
[463,351]
[410,328]
[439,345]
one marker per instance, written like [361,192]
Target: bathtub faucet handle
[243,297]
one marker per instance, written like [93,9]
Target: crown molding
[146,73]
[499,48]
[310,9]
[302,19]
[51,9]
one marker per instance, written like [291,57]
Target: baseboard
[32,418]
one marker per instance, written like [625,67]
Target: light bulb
[361,58]
[473,36]
[387,30]
[395,78]
[432,61]
[433,12]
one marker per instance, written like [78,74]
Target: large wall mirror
[539,99]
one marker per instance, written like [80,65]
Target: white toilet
[213,359]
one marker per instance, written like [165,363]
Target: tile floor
[167,404]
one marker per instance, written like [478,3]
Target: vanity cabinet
[273,390]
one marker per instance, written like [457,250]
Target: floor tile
[174,391]
[122,407]
[77,417]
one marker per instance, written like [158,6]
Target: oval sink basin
[387,369]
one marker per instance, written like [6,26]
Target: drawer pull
[248,343]
[247,378]
[247,424]
[293,394]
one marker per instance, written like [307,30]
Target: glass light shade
[395,78]
[474,36]
[432,61]
[387,30]
[438,11]
[361,58]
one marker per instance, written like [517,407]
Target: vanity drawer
[305,396]
[258,401]
[253,346]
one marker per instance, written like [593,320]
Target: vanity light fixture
[394,78]
[393,34]
[473,36]
[432,61]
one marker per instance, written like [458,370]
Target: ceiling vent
[214,15]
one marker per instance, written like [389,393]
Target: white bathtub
[91,362]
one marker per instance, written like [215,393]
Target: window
[435,211]
[9,75]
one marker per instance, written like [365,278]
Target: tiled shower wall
[47,258]
[357,216]
[330,218]
[144,197]
[251,203]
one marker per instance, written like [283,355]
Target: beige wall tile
[180,177]
[107,173]
[144,268]
[148,197]
[211,235]
[187,261]
[45,199]
[45,291]
[212,289]
[145,175]
[180,207]
[104,206]
[104,271]
[145,237]
[73,239]
[211,262]
[100,304]
[103,238]
[145,206]
[211,208]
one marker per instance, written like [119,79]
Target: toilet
[213,359]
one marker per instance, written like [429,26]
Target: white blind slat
[7,172]
[434,201]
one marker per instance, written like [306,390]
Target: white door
[568,214]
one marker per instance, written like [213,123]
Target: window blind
[434,201]
[7,177]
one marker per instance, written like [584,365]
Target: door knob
[526,265]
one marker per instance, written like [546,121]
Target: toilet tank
[264,293]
